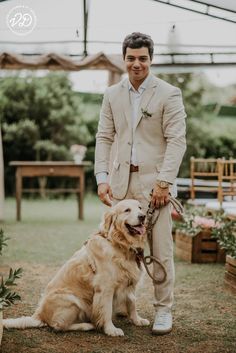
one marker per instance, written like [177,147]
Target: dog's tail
[23,322]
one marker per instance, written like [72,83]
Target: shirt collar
[143,85]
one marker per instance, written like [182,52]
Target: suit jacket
[159,138]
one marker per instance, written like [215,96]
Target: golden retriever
[98,281]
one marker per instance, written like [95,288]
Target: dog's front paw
[141,322]
[113,331]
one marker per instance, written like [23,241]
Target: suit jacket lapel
[125,99]
[146,97]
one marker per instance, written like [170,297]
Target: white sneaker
[163,321]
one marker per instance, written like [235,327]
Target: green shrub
[41,118]
[226,237]
[208,137]
[7,296]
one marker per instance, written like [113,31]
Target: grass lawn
[204,312]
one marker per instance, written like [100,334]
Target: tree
[207,136]
[41,118]
[192,87]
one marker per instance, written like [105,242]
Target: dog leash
[152,216]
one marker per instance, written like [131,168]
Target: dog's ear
[106,222]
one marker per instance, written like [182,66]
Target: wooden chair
[204,174]
[227,179]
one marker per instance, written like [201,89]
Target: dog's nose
[141,218]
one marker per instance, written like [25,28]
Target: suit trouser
[162,244]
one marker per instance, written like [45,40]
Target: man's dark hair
[138,40]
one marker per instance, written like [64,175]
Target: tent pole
[85,26]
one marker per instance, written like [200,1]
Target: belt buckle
[133,168]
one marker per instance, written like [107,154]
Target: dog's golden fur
[98,281]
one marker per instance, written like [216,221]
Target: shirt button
[127,162]
[129,143]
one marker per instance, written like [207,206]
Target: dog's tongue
[140,229]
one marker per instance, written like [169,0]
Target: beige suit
[160,145]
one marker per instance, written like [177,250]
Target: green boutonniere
[145,113]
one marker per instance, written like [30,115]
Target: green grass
[204,312]
[49,231]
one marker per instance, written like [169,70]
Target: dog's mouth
[138,229]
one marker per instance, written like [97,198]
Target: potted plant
[194,238]
[7,296]
[226,237]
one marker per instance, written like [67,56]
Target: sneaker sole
[161,332]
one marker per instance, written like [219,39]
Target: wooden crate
[201,248]
[230,273]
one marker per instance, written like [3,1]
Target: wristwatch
[163,184]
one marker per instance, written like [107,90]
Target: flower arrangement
[78,152]
[196,220]
[145,113]
[225,235]
[204,222]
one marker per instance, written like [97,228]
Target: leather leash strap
[152,216]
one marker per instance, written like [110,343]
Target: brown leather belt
[133,168]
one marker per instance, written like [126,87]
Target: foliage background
[42,117]
[209,134]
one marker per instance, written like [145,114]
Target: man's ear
[106,222]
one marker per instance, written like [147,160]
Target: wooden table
[49,169]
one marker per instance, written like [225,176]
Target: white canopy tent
[92,26]
[221,9]
[229,5]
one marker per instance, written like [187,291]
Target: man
[145,116]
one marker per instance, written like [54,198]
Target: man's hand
[160,197]
[105,193]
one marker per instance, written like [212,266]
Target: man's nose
[141,218]
[136,63]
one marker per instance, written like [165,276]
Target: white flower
[145,113]
[78,149]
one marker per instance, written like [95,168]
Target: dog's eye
[127,210]
[140,207]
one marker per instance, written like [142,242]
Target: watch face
[163,184]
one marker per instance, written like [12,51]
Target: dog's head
[124,224]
